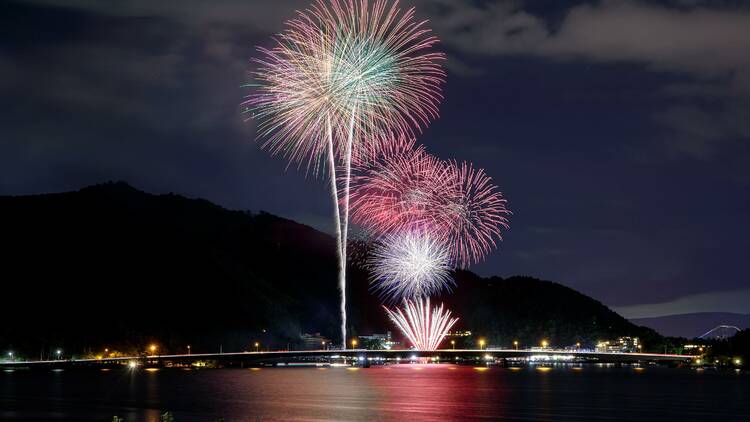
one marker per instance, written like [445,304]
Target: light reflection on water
[412,392]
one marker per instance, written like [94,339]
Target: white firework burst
[424,328]
[410,265]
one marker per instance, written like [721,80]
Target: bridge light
[481,344]
[257,346]
[354,343]
[545,343]
[453,343]
[152,348]
[738,361]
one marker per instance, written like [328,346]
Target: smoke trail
[339,250]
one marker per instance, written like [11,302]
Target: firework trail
[341,76]
[425,329]
[410,265]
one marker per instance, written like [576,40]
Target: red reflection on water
[423,391]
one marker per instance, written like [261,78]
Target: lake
[397,392]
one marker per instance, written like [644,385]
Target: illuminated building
[619,345]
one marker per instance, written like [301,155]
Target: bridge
[360,357]
[721,332]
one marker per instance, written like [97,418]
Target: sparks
[472,215]
[407,189]
[410,265]
[358,70]
[400,191]
[424,329]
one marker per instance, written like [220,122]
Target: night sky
[618,130]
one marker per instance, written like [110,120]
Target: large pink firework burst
[400,191]
[345,72]
[408,190]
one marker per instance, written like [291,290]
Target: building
[378,341]
[619,345]
[458,334]
[314,342]
[695,349]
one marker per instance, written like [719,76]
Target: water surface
[397,392]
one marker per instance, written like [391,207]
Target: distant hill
[693,325]
[111,265]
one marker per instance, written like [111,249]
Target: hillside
[111,265]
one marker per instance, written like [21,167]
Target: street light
[257,347]
[188,349]
[10,355]
[354,343]
[453,343]
[545,343]
[515,344]
[59,352]
[481,344]
[153,349]
[578,345]
[324,344]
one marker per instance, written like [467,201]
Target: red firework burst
[408,190]
[472,215]
[400,190]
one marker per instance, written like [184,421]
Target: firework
[424,328]
[410,190]
[402,190]
[339,78]
[472,215]
[346,73]
[410,265]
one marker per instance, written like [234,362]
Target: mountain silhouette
[112,266]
